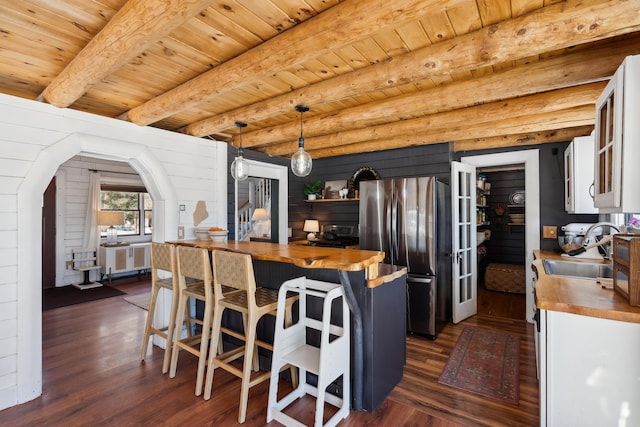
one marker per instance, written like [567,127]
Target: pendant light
[301,160]
[240,167]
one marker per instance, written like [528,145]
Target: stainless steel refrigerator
[410,220]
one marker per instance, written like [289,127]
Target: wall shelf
[330,200]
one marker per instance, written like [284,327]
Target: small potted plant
[312,189]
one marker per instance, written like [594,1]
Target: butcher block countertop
[310,257]
[578,296]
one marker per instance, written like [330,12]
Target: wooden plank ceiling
[376,74]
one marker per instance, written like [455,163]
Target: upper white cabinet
[617,141]
[578,176]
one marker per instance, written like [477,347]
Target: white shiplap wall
[35,140]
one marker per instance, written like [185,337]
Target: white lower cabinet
[121,259]
[590,371]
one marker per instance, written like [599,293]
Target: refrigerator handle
[394,226]
[387,229]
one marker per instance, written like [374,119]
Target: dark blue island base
[378,353]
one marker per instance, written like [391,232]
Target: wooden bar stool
[235,270]
[329,361]
[193,263]
[163,262]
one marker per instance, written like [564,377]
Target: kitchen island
[375,292]
[587,349]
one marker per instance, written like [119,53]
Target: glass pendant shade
[301,163]
[301,160]
[240,169]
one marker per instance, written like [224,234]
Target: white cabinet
[120,259]
[578,176]
[617,136]
[589,371]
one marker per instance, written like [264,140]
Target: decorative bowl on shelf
[517,197]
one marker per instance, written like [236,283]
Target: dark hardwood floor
[92,376]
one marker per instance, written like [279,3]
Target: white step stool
[330,361]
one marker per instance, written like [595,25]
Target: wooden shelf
[330,200]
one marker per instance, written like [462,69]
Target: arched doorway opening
[29,271]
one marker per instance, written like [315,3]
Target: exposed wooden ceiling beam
[527,79]
[570,24]
[136,26]
[553,101]
[341,25]
[502,141]
[575,117]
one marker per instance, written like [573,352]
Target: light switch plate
[549,231]
[180,232]
[183,208]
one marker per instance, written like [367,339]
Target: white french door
[463,221]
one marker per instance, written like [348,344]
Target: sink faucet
[587,237]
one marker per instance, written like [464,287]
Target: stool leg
[256,362]
[149,322]
[171,327]
[249,347]
[178,331]
[288,322]
[204,346]
[215,338]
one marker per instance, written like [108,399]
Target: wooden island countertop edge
[578,296]
[310,257]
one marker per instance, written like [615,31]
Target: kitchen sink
[588,270]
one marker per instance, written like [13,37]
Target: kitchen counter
[578,296]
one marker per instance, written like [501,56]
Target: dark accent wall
[413,161]
[507,243]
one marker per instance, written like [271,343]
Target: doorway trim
[531,161]
[270,171]
[29,253]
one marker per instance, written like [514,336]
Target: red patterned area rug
[487,363]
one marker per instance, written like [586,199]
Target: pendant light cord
[240,125]
[301,109]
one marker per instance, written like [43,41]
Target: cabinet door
[579,176]
[120,258]
[568,178]
[138,259]
[608,143]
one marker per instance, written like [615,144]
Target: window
[135,204]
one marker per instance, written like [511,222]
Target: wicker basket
[505,278]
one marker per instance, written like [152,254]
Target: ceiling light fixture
[240,167]
[301,160]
